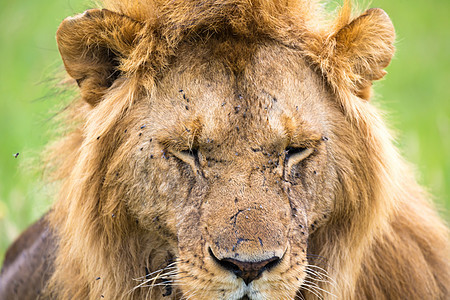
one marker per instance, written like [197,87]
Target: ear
[357,52]
[366,45]
[92,46]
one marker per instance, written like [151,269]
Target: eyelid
[189,156]
[294,155]
[191,152]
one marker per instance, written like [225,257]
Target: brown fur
[28,263]
[181,158]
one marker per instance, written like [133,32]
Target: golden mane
[377,196]
[300,24]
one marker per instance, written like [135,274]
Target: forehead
[231,93]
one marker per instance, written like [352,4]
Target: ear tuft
[365,47]
[92,46]
[356,52]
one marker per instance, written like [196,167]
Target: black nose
[247,270]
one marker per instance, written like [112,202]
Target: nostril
[247,270]
[225,264]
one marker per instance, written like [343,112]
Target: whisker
[167,275]
[192,295]
[312,291]
[164,284]
[322,272]
[148,280]
[316,280]
[317,267]
[300,296]
[320,277]
[312,284]
[147,275]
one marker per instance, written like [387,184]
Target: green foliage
[28,100]
[415,93]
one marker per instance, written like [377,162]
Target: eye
[190,154]
[294,155]
[191,157]
[298,153]
[292,151]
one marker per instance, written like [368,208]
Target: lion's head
[226,149]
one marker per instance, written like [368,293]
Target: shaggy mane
[93,225]
[178,18]
[300,24]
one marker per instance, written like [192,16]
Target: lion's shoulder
[28,263]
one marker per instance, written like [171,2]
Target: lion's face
[235,168]
[214,157]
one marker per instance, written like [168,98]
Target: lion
[228,149]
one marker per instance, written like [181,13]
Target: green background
[415,96]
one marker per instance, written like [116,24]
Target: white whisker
[147,275]
[312,284]
[322,272]
[312,291]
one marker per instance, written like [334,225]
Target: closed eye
[190,156]
[292,151]
[294,155]
[192,153]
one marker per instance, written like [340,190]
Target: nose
[247,270]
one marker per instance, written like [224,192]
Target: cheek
[155,193]
[313,190]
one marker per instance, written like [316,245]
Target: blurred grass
[416,95]
[27,100]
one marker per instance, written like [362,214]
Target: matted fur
[119,216]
